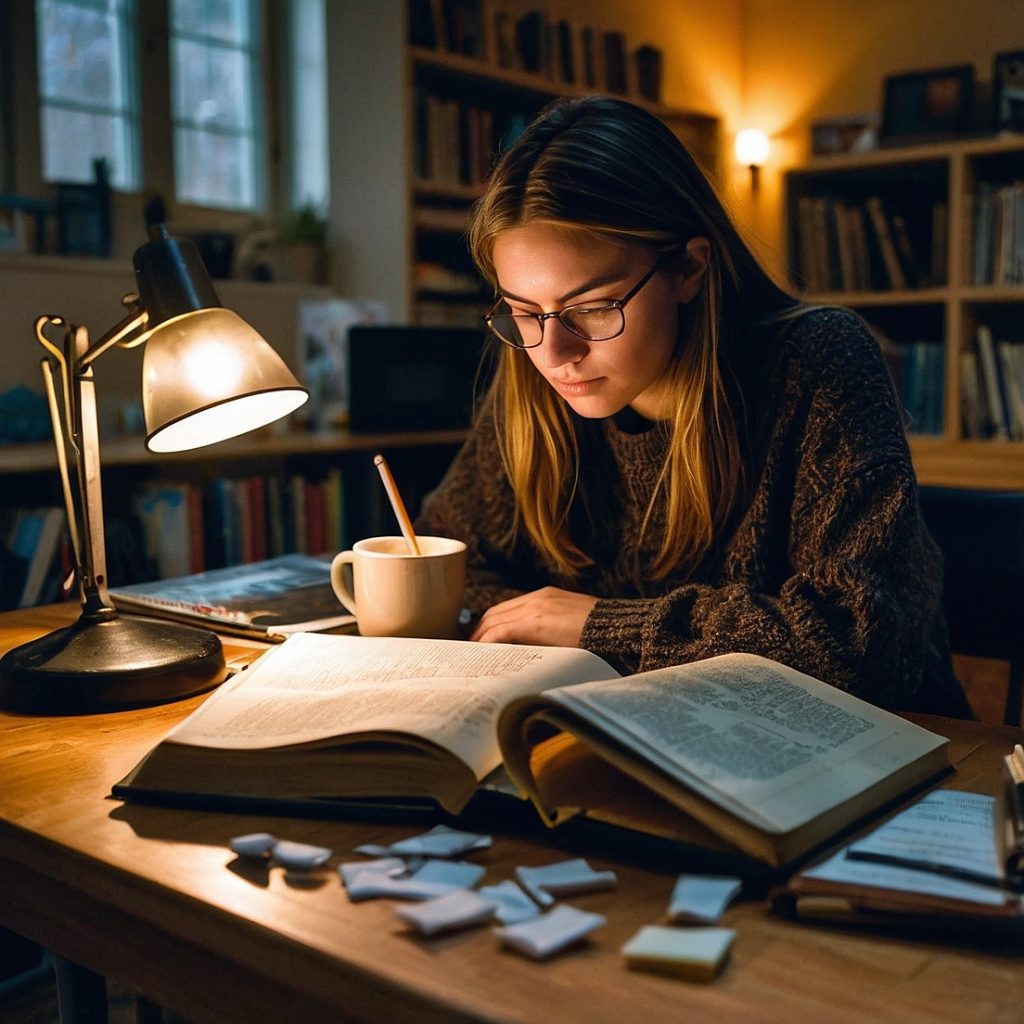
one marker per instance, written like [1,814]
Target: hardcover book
[736,753]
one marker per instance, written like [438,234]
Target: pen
[1014,763]
[935,868]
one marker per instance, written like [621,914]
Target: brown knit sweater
[827,566]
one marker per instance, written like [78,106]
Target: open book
[267,599]
[737,751]
[945,859]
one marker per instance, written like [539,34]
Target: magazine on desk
[736,752]
[265,600]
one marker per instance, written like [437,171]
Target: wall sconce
[752,152]
[206,376]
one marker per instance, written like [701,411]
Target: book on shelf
[736,754]
[949,859]
[992,385]
[266,600]
[35,537]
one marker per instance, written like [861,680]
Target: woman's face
[542,267]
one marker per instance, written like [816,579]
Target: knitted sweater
[826,567]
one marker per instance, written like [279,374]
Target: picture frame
[1008,91]
[926,105]
[848,133]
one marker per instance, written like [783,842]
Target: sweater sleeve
[860,583]
[474,503]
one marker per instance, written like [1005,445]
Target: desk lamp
[206,376]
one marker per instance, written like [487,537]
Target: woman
[676,458]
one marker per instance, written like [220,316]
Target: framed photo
[1008,91]
[928,104]
[850,133]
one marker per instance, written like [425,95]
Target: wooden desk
[148,897]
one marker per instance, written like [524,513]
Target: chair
[981,534]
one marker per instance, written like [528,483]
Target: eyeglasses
[601,320]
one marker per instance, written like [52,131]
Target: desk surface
[148,897]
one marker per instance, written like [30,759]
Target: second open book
[737,751]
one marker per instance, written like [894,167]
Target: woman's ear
[692,268]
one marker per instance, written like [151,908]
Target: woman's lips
[576,388]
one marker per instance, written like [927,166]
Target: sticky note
[299,856]
[462,909]
[452,872]
[702,898]
[563,878]
[551,932]
[440,841]
[392,866]
[695,954]
[513,905]
[368,885]
[254,844]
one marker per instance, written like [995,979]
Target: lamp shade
[207,375]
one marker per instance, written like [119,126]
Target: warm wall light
[752,151]
[207,375]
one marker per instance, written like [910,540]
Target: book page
[316,687]
[945,831]
[774,746]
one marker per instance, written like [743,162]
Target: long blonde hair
[611,168]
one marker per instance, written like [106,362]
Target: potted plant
[304,246]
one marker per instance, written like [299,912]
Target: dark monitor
[413,378]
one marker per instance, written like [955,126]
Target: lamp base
[109,664]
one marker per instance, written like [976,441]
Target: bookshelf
[219,505]
[464,107]
[927,243]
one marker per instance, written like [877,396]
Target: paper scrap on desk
[550,932]
[368,885]
[299,856]
[254,844]
[702,898]
[563,878]
[696,954]
[441,841]
[513,905]
[461,909]
[391,866]
[451,872]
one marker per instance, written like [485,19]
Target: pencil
[397,504]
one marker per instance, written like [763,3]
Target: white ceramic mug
[397,593]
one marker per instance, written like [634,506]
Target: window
[88,89]
[309,185]
[215,114]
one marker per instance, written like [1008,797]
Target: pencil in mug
[397,504]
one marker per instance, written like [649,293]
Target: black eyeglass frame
[606,304]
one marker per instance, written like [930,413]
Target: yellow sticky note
[695,954]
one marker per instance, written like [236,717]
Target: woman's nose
[560,345]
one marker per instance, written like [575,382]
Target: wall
[808,59]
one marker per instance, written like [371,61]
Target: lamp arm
[76,438]
[128,333]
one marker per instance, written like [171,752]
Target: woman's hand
[549,617]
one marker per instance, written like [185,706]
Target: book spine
[991,386]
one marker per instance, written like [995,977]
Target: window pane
[214,170]
[88,95]
[211,86]
[214,68]
[309,104]
[83,138]
[225,20]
